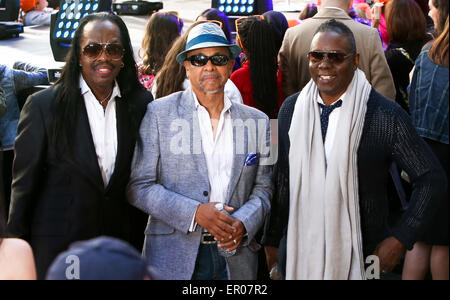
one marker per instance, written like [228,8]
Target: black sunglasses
[333,57]
[113,51]
[201,60]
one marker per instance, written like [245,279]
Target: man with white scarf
[337,140]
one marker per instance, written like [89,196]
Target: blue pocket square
[252,159]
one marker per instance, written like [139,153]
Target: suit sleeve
[254,212]
[28,166]
[380,74]
[145,192]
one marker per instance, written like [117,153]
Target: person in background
[438,13]
[362,11]
[16,255]
[172,77]
[75,144]
[279,25]
[36,12]
[359,15]
[309,11]
[20,77]
[257,79]
[428,99]
[162,29]
[406,26]
[211,14]
[379,20]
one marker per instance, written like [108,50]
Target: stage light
[136,7]
[65,22]
[242,7]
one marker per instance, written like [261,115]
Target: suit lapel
[187,111]
[239,156]
[124,139]
[85,156]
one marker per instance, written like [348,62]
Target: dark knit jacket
[388,136]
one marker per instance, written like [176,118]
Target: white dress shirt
[103,126]
[333,123]
[218,151]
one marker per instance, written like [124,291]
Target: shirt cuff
[193,225]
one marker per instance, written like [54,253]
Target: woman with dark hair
[279,25]
[162,29]
[172,77]
[309,11]
[257,79]
[16,256]
[429,110]
[406,26]
[75,145]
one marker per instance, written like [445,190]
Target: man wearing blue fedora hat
[198,150]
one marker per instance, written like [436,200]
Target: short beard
[220,89]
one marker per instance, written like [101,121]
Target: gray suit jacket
[294,62]
[169,181]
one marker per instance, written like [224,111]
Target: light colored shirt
[218,151]
[103,126]
[333,123]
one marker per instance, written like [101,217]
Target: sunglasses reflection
[334,57]
[202,60]
[113,50]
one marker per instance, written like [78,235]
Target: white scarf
[324,232]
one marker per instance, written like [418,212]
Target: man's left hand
[390,252]
[236,240]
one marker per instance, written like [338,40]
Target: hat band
[207,38]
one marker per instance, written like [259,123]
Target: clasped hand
[227,231]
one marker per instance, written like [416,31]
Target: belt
[207,239]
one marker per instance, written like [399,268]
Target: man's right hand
[214,221]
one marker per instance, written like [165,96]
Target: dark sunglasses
[201,60]
[333,57]
[113,51]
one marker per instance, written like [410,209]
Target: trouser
[210,265]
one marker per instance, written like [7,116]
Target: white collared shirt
[218,151]
[333,123]
[103,126]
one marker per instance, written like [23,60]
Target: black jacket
[388,136]
[56,200]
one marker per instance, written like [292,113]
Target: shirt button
[205,193]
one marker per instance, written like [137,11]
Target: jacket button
[205,193]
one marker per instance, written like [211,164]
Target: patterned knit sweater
[388,136]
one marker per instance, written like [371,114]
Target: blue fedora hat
[207,35]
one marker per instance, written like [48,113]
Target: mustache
[110,65]
[214,75]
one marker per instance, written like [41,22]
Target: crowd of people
[277,153]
